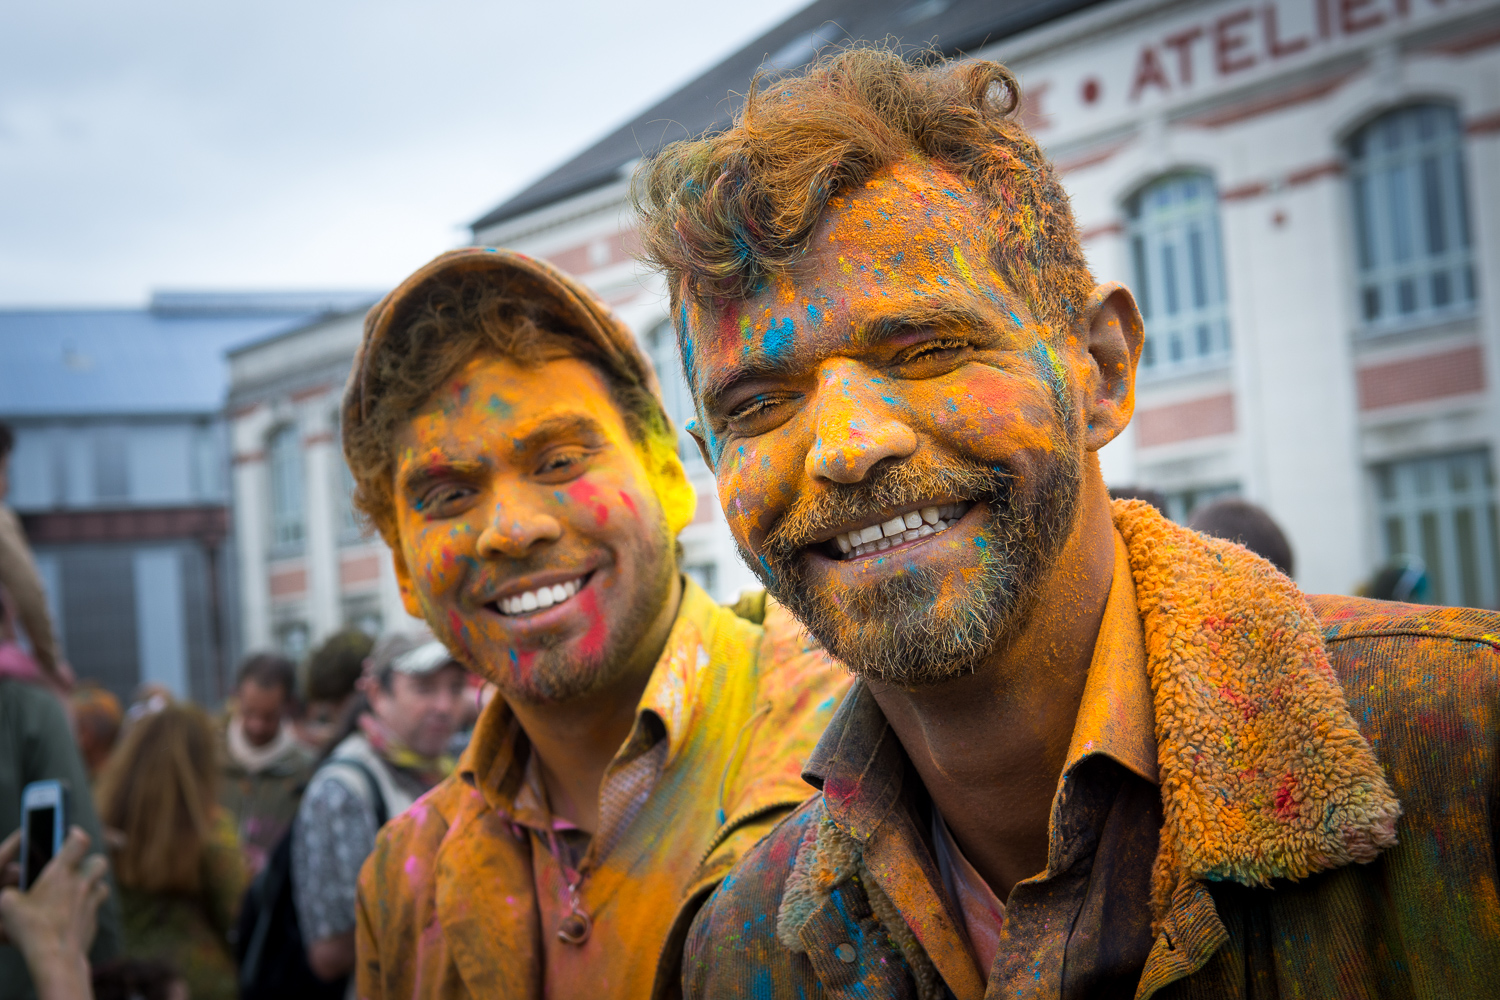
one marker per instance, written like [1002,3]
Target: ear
[678,499]
[1113,340]
[696,430]
[409,598]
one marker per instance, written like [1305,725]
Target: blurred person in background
[20,586]
[1153,497]
[329,685]
[178,861]
[96,724]
[265,766]
[393,748]
[52,924]
[1243,523]
[139,979]
[1403,579]
[36,744]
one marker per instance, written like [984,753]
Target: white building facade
[306,567]
[1305,197]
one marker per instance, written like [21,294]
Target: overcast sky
[312,144]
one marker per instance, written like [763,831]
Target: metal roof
[706,103]
[121,362]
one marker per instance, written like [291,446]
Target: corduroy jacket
[1328,783]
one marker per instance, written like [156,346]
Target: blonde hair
[160,790]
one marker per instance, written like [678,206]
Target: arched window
[1411,217]
[1173,230]
[285,460]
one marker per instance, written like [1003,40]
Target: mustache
[908,483]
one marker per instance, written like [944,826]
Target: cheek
[989,413]
[440,556]
[759,479]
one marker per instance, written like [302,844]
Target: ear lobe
[1114,338]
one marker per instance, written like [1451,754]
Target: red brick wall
[1182,421]
[1451,373]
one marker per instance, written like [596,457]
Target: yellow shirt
[462,895]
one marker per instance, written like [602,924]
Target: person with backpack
[394,750]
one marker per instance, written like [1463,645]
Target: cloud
[295,145]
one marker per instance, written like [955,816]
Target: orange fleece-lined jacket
[1329,773]
[448,901]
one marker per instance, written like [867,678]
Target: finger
[93,870]
[74,848]
[10,848]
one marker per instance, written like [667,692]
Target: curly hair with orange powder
[458,321]
[722,213]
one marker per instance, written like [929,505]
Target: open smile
[898,526]
[540,598]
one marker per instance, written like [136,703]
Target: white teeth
[542,597]
[907,528]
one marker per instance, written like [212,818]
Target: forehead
[505,396]
[911,238]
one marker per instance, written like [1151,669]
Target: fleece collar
[1263,772]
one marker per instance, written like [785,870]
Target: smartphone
[44,825]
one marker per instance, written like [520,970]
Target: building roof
[953,26]
[167,359]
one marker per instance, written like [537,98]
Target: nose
[858,424]
[513,529]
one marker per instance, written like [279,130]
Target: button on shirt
[1080,928]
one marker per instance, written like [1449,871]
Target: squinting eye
[757,405]
[932,349]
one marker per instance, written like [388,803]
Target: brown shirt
[1115,720]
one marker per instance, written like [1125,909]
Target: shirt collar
[495,761]
[859,763]
[1117,716]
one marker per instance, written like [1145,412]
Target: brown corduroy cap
[526,275]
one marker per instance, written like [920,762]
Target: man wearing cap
[508,440]
[392,752]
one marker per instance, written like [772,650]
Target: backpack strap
[377,796]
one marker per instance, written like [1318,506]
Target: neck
[575,741]
[990,746]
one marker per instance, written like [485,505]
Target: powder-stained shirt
[1115,720]
[463,897]
[1326,772]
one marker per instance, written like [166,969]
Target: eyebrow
[539,434]
[563,425]
[878,330]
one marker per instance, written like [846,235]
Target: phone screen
[40,824]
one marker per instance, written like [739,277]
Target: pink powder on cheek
[587,494]
[592,643]
[629,503]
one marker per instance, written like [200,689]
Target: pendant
[575,928]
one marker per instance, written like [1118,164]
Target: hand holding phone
[44,825]
[53,924]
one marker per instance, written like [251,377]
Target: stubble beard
[560,670]
[910,629]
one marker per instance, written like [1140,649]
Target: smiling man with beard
[1090,753]
[508,441]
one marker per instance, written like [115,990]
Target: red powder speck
[592,643]
[587,493]
[629,503]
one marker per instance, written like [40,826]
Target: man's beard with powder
[902,630]
[560,669]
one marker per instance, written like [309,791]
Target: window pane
[1411,226]
[1176,259]
[1441,509]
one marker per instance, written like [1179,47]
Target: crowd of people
[194,813]
[987,731]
